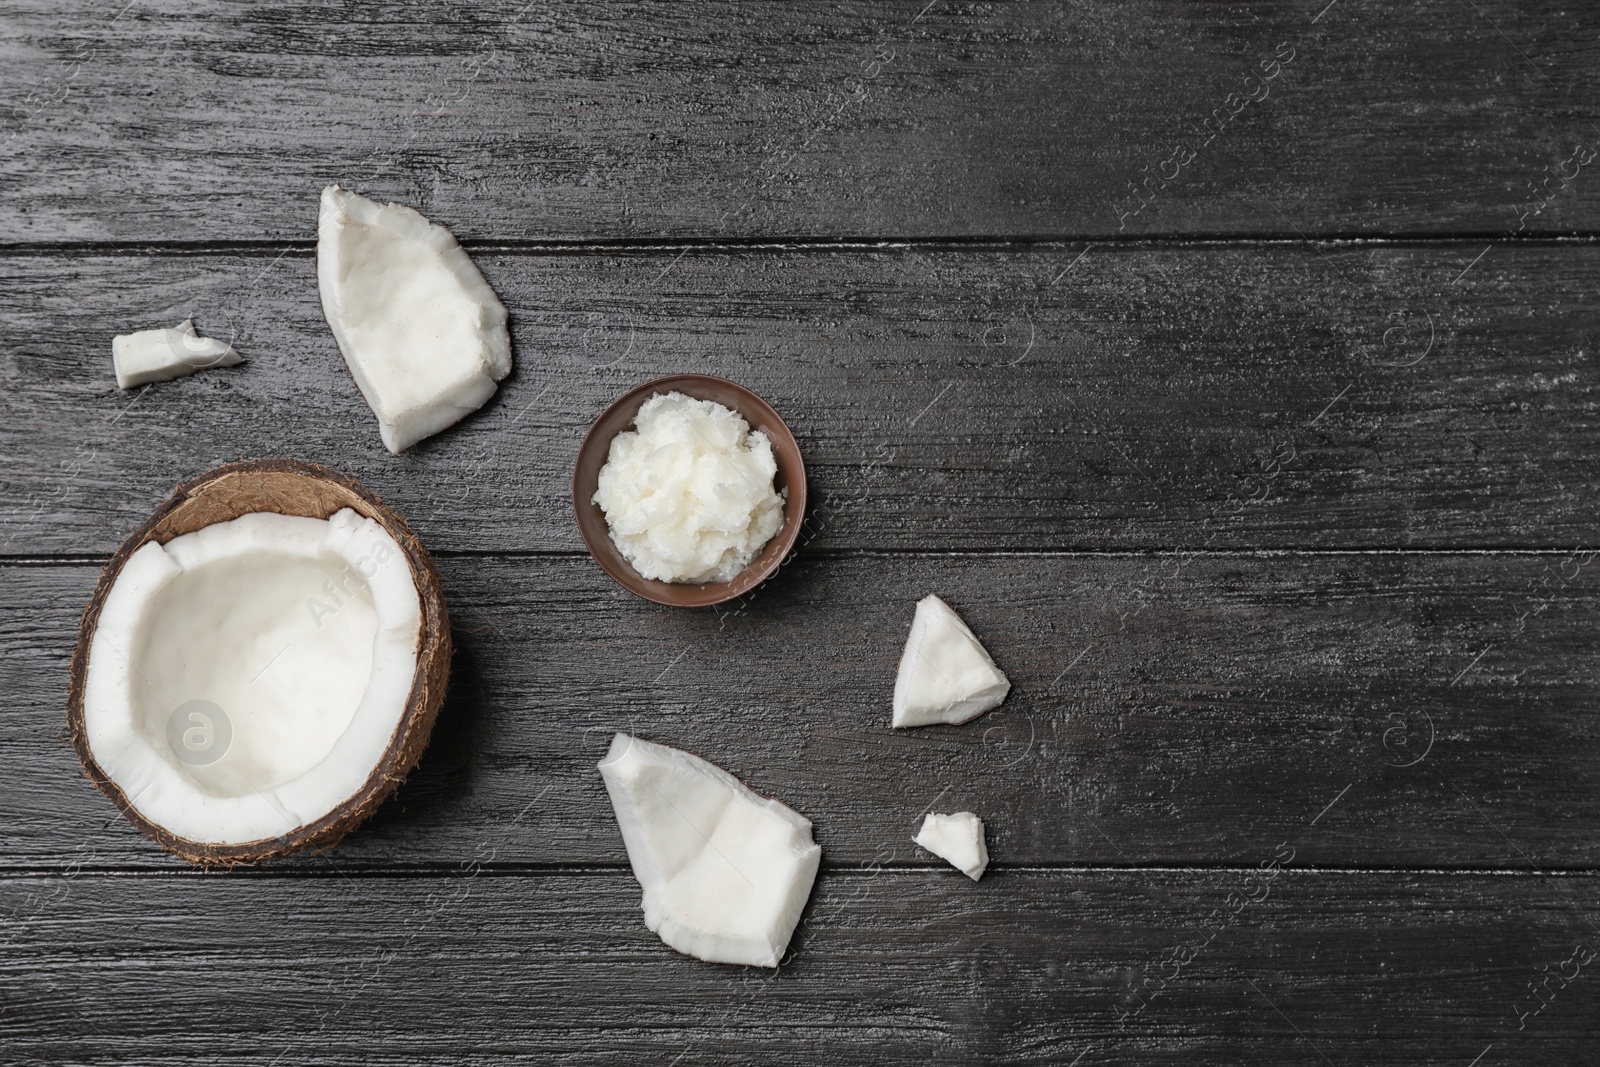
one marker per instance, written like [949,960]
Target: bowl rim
[792,476]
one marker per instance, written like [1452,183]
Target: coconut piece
[160,355]
[957,839]
[260,664]
[421,331]
[945,673]
[725,870]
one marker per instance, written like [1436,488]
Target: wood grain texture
[181,121]
[1426,711]
[898,967]
[1199,396]
[1255,438]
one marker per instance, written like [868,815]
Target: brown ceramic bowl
[596,449]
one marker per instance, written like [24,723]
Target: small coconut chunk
[160,355]
[945,673]
[957,839]
[423,334]
[725,870]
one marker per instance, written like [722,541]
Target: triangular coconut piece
[725,871]
[945,674]
[421,331]
[958,840]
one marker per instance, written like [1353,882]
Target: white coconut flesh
[423,334]
[725,871]
[958,840]
[246,679]
[161,355]
[945,674]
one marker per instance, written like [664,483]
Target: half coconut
[261,663]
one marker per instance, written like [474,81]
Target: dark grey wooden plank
[1125,398]
[197,121]
[889,967]
[1166,710]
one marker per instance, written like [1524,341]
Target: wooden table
[1231,367]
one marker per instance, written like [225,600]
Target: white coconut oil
[688,493]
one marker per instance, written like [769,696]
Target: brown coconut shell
[288,487]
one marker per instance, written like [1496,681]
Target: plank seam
[84,560]
[534,870]
[306,247]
